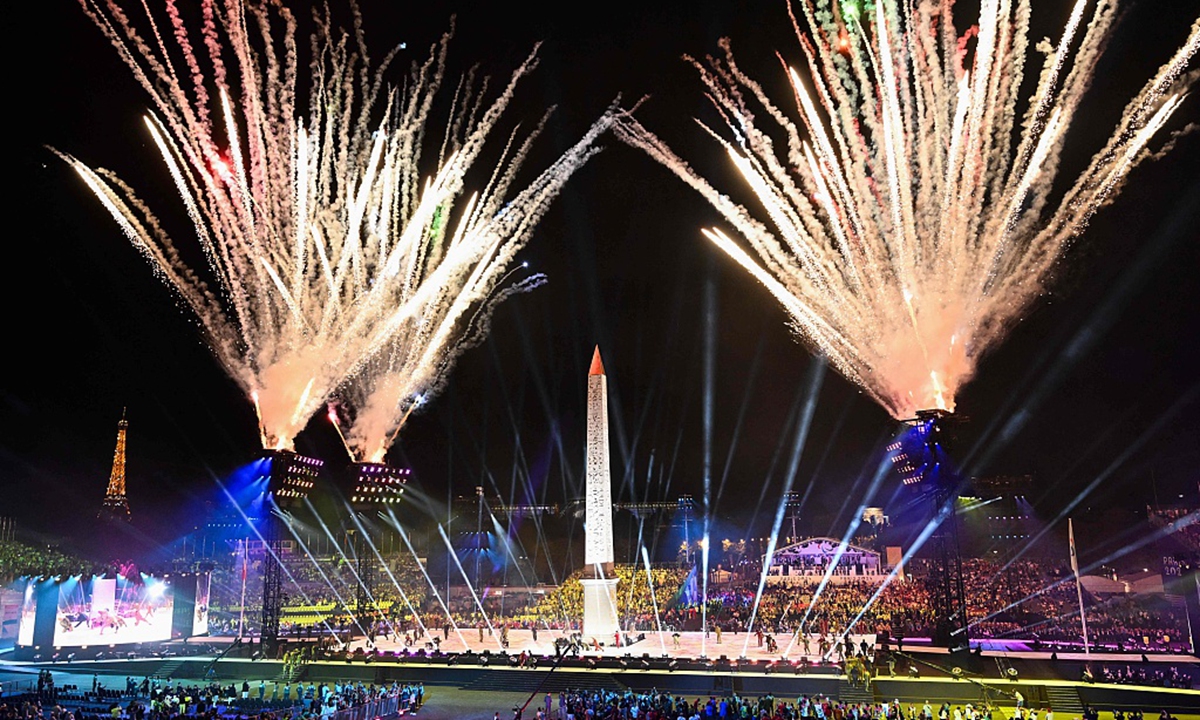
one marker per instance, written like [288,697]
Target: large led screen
[110,611]
[28,614]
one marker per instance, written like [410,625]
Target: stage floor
[688,644]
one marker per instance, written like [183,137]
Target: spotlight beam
[267,545]
[1156,535]
[403,595]
[709,370]
[291,524]
[880,472]
[1131,449]
[1176,227]
[506,541]
[816,375]
[777,455]
[474,596]
[408,543]
[337,546]
[654,600]
[747,393]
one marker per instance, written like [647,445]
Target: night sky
[1098,381]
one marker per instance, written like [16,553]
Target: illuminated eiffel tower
[116,505]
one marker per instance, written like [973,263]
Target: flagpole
[1078,586]
[1191,632]
[242,617]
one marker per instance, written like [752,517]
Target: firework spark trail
[268,193]
[447,305]
[909,222]
[323,243]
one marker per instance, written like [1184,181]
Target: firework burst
[323,243]
[908,219]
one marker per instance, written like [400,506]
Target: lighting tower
[479,533]
[922,457]
[686,507]
[370,486]
[290,478]
[116,505]
[792,502]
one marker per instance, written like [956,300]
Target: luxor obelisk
[599,580]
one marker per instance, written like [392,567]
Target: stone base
[600,610]
[598,571]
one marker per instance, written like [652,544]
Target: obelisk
[599,580]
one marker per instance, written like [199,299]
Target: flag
[1074,557]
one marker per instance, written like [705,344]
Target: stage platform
[655,644]
[689,645]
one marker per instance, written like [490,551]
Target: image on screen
[200,614]
[110,611]
[28,614]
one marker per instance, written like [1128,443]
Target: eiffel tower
[116,506]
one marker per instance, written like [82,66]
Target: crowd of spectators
[655,705]
[1027,600]
[1038,601]
[636,602]
[901,608]
[17,559]
[1183,523]
[155,700]
[1171,676]
[317,587]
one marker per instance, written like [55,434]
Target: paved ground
[452,704]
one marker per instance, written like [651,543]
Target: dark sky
[1099,382]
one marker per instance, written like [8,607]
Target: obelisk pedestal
[599,580]
[600,609]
